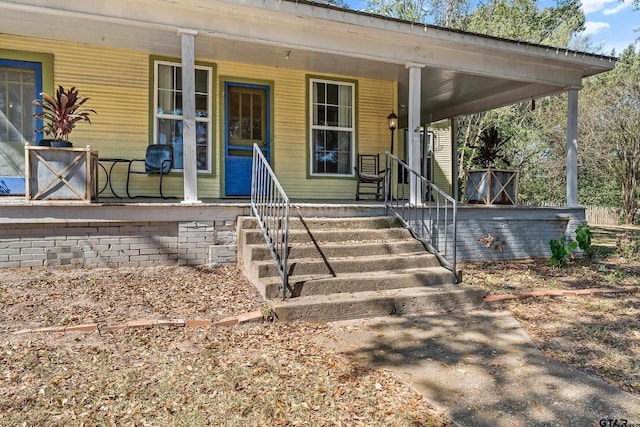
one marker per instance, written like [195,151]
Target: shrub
[583,237]
[561,250]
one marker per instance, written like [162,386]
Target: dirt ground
[249,375]
[264,373]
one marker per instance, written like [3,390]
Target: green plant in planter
[489,149]
[61,113]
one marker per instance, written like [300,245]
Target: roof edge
[567,51]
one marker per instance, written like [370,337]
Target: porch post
[413,129]
[190,169]
[572,148]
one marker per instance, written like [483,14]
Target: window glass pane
[245,112]
[332,140]
[165,76]
[332,94]
[170,133]
[28,77]
[321,119]
[332,116]
[178,110]
[29,129]
[330,162]
[13,76]
[257,118]
[318,93]
[345,96]
[17,90]
[319,139]
[202,106]
[15,113]
[234,115]
[202,146]
[344,141]
[165,102]
[202,81]
[344,117]
[178,78]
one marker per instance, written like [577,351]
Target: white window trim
[207,119]
[352,129]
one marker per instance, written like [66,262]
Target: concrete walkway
[482,369]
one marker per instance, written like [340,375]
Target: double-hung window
[168,112]
[332,127]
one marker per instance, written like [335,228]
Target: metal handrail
[428,212]
[271,206]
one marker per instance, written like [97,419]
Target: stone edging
[252,316]
[561,293]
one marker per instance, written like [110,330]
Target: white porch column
[572,148]
[190,168]
[413,129]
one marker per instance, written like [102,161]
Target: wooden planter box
[61,174]
[491,187]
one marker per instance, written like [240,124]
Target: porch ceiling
[462,73]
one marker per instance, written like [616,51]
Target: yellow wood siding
[117,81]
[442,167]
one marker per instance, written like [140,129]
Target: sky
[610,23]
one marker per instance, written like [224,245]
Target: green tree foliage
[408,10]
[610,129]
[446,13]
[523,20]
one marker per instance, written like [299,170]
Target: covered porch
[286,49]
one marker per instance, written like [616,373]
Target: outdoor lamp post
[393,125]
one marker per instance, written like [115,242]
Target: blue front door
[247,122]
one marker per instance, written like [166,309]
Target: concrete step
[260,252]
[305,266]
[421,300]
[345,268]
[301,286]
[255,236]
[297,223]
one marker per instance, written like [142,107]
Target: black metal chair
[370,178]
[158,160]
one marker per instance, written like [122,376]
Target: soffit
[462,73]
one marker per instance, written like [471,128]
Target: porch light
[393,121]
[393,125]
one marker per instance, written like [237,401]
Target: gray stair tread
[367,295]
[354,305]
[356,234]
[328,223]
[365,257]
[367,275]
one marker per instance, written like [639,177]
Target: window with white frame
[168,112]
[332,127]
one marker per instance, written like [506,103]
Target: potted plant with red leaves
[60,114]
[489,184]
